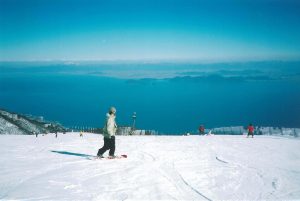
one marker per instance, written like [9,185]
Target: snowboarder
[109,132]
[250,130]
[201,130]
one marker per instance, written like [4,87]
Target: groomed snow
[157,167]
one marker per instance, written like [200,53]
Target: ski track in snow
[272,181]
[169,171]
[157,168]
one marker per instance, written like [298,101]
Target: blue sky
[211,30]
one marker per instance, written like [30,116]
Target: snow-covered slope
[12,123]
[157,167]
[9,128]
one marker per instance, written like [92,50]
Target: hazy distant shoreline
[168,98]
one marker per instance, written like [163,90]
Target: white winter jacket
[110,127]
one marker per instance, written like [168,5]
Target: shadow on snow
[72,153]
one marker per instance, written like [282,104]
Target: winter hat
[112,110]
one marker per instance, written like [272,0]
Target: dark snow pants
[109,144]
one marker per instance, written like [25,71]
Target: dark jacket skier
[201,130]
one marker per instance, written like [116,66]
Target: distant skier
[81,135]
[250,130]
[109,132]
[201,129]
[55,134]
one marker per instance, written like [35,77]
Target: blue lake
[169,98]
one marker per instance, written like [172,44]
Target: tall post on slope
[133,123]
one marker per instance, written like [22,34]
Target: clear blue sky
[214,30]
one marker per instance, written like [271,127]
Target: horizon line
[194,61]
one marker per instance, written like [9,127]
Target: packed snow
[157,167]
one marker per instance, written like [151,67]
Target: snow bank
[239,130]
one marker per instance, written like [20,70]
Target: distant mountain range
[13,123]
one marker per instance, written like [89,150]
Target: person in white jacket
[109,132]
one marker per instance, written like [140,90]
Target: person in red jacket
[250,130]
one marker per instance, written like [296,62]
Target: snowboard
[107,157]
